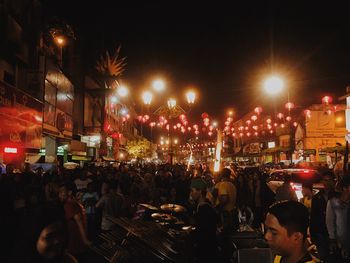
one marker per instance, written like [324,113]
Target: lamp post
[60,41]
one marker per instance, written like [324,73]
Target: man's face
[277,237]
[195,194]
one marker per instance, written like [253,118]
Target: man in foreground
[286,230]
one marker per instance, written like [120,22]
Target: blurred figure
[337,220]
[285,191]
[43,237]
[318,227]
[205,222]
[76,221]
[286,226]
[307,195]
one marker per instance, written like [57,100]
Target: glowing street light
[191,96]
[273,85]
[171,103]
[59,40]
[122,91]
[147,97]
[158,85]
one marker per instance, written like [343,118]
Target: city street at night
[171,131]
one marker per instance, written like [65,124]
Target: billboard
[21,118]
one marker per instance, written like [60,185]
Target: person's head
[307,189]
[286,226]
[44,236]
[225,173]
[328,181]
[63,193]
[198,189]
[287,179]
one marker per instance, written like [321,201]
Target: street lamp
[147,97]
[60,41]
[191,96]
[273,85]
[158,85]
[171,103]
[122,91]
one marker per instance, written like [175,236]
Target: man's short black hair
[291,215]
[225,173]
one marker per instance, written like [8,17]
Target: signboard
[21,118]
[271,145]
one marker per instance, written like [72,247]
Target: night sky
[224,50]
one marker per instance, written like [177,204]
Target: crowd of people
[54,216]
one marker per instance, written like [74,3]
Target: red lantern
[329,112]
[211,128]
[227,123]
[254,118]
[288,118]
[241,134]
[204,115]
[182,117]
[280,115]
[195,127]
[139,118]
[178,125]
[246,128]
[295,124]
[327,100]
[282,125]
[248,122]
[175,127]
[210,133]
[275,124]
[307,113]
[167,127]
[248,134]
[189,128]
[255,127]
[256,133]
[234,134]
[268,121]
[258,110]
[230,119]
[196,132]
[289,105]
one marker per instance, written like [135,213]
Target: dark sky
[223,49]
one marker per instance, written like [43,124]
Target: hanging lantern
[275,124]
[256,133]
[152,124]
[167,127]
[248,134]
[183,130]
[254,118]
[246,128]
[196,132]
[211,128]
[289,105]
[146,117]
[295,124]
[185,123]
[178,125]
[139,118]
[307,113]
[229,119]
[195,127]
[268,121]
[255,127]
[189,128]
[282,125]
[232,129]
[248,122]
[182,117]
[241,134]
[269,126]
[327,100]
[288,118]
[210,133]
[241,128]
[280,115]
[175,127]
[234,134]
[204,115]
[271,131]
[227,123]
[258,110]
[226,128]
[127,116]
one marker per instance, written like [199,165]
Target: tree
[139,147]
